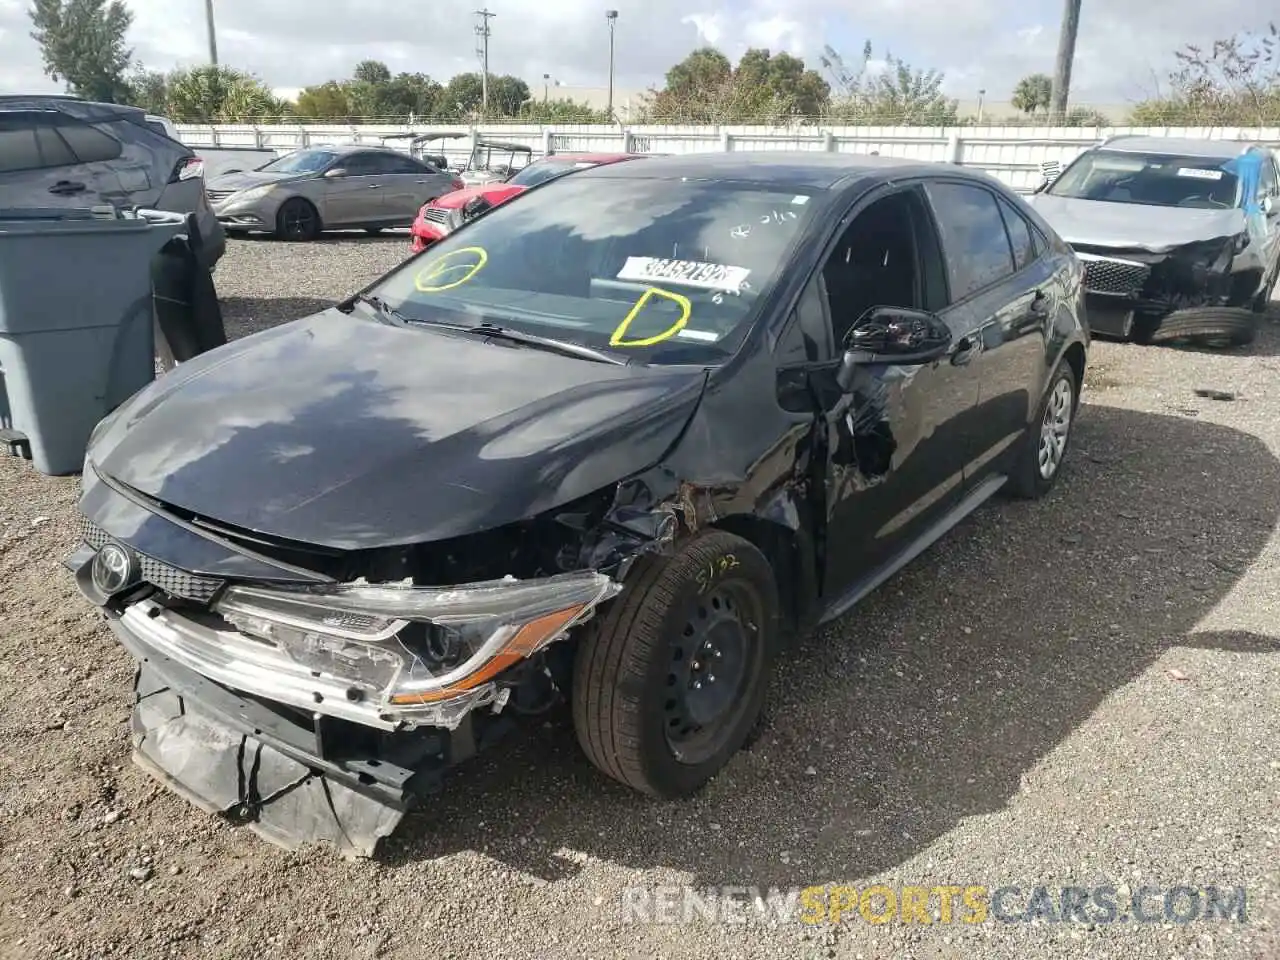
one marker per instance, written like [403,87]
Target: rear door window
[32,142]
[974,239]
[1020,235]
[89,144]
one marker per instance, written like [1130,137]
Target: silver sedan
[327,188]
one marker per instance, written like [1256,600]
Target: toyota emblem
[114,568]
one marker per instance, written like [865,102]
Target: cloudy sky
[1124,47]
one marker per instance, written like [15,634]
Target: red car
[445,214]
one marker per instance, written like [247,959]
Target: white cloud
[987,44]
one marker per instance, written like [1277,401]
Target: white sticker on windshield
[800,200]
[689,273]
[706,336]
[1199,174]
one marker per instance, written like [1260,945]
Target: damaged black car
[606,447]
[1180,238]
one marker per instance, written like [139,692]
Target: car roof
[88,110]
[343,149]
[1180,146]
[594,157]
[781,168]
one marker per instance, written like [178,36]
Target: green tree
[82,43]
[1033,92]
[507,96]
[562,111]
[897,95]
[325,101]
[461,96]
[705,87]
[372,71]
[1234,82]
[149,89]
[218,94]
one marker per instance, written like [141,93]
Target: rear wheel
[670,681]
[1044,447]
[297,220]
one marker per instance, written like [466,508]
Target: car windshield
[1118,176]
[301,161]
[664,271]
[545,170]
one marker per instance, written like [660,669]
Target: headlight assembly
[253,193]
[416,650]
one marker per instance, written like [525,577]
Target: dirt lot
[1079,692]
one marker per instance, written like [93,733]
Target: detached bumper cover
[232,757]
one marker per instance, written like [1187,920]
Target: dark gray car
[328,188]
[66,152]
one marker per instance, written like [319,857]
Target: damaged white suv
[1179,237]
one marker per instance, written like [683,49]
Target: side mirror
[474,207]
[897,335]
[335,172]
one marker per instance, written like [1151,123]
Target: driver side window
[1267,184]
[877,263]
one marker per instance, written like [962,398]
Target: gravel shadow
[930,702]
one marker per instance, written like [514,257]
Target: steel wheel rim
[1055,428]
[715,658]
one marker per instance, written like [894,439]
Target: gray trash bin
[76,324]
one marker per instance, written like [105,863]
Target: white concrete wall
[1013,154]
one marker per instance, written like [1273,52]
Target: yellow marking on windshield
[686,308]
[443,266]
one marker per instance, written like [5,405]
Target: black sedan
[612,444]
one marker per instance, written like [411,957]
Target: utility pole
[213,42]
[482,51]
[612,17]
[1066,54]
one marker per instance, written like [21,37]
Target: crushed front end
[1131,291]
[311,706]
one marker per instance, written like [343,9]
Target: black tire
[1027,479]
[297,219]
[1234,326]
[634,678]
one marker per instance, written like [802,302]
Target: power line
[482,51]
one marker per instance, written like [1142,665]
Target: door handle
[374,186]
[65,187]
[964,350]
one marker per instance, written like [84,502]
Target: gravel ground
[1082,691]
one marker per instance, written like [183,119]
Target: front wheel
[297,220]
[670,681]
[1044,446]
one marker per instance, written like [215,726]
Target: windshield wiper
[385,310]
[546,343]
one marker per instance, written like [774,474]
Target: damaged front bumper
[1128,287]
[323,713]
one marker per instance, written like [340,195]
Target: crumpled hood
[350,433]
[243,180]
[495,193]
[1133,225]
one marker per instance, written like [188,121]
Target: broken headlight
[407,645]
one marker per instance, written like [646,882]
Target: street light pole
[612,17]
[213,42]
[546,82]
[1061,89]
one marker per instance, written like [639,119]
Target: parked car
[1180,238]
[217,160]
[303,193]
[492,161]
[436,219]
[66,152]
[613,442]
